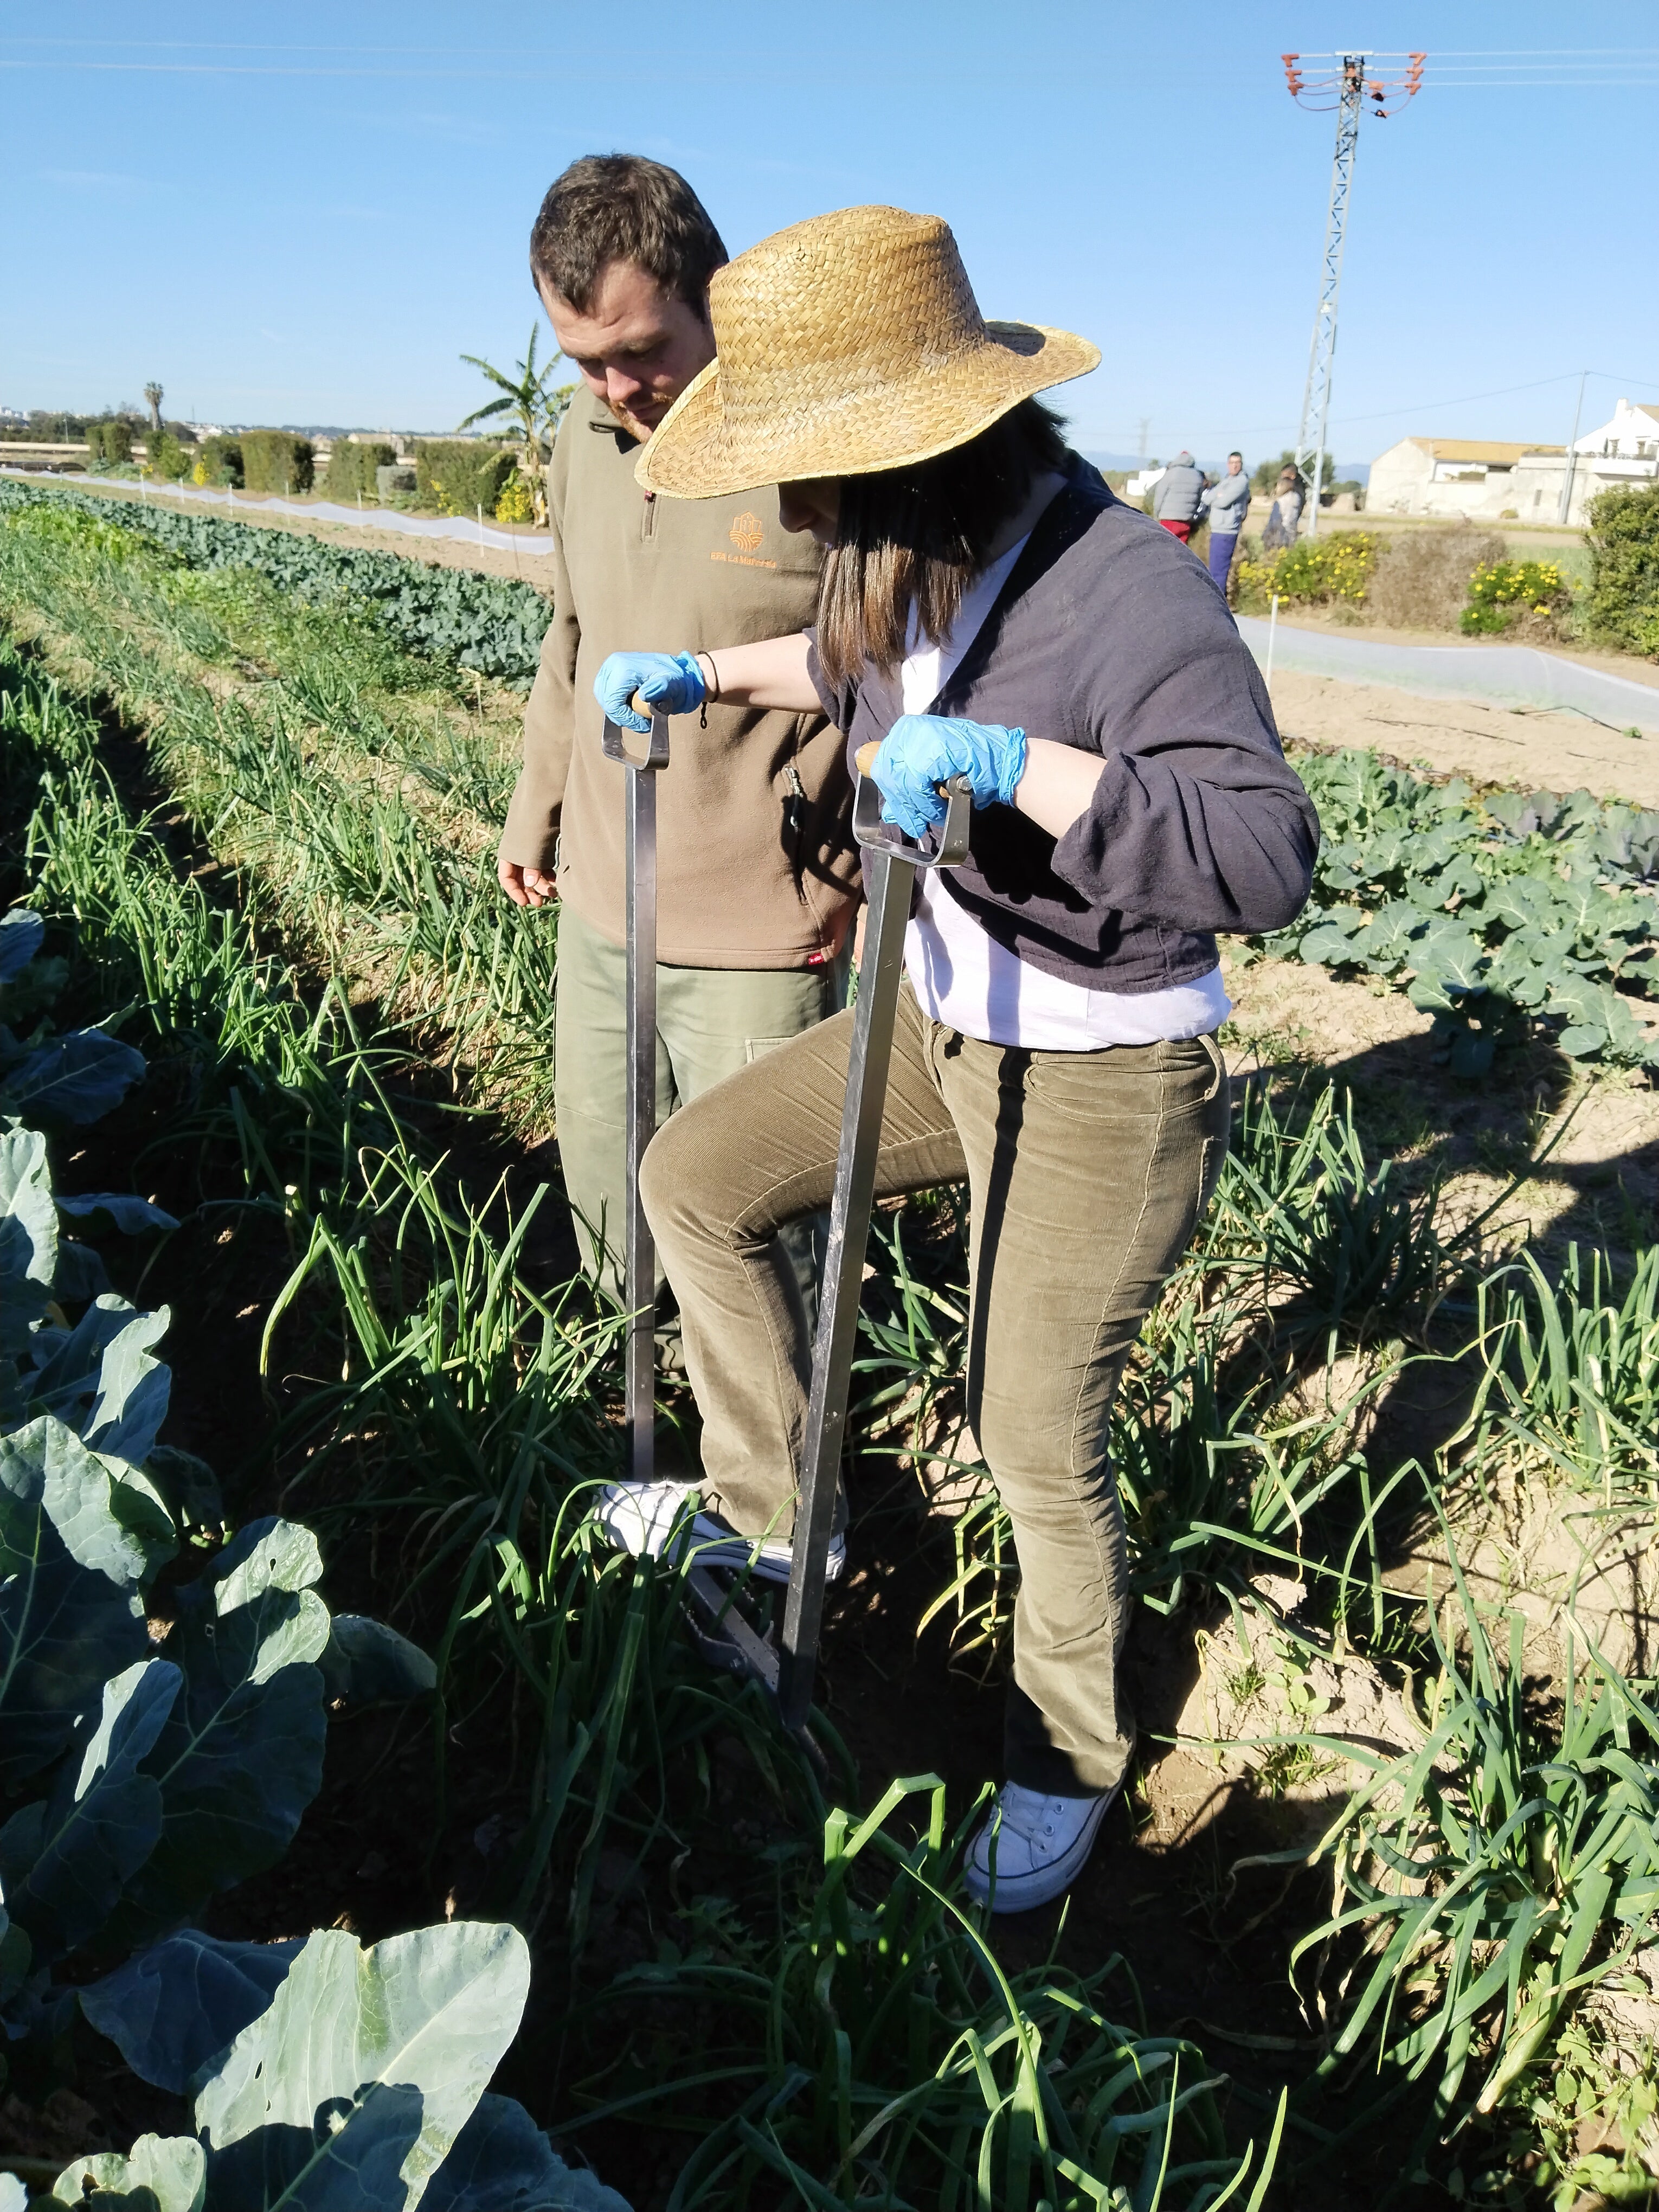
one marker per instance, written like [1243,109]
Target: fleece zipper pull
[794,810]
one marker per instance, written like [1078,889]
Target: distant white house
[1631,440]
[1478,477]
[1488,480]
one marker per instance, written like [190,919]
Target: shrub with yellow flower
[1503,593]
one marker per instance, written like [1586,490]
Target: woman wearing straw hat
[987,608]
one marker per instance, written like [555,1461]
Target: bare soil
[1537,749]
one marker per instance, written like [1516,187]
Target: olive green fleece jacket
[756,867]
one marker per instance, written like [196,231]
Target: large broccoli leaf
[502,2162]
[367,1663]
[76,1078]
[65,1858]
[348,2091]
[130,1214]
[159,2174]
[241,1754]
[28,1235]
[71,1614]
[20,935]
[177,2005]
[103,1380]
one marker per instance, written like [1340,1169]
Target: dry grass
[1421,578]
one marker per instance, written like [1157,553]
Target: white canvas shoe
[1041,1844]
[651,1520]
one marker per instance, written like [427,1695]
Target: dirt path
[1545,749]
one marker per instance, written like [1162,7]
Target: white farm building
[1491,480]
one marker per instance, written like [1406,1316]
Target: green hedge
[1624,545]
[108,443]
[459,475]
[168,460]
[277,460]
[220,461]
[351,467]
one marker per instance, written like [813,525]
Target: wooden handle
[866,758]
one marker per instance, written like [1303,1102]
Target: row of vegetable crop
[1505,910]
[161,1737]
[447,615]
[266,2035]
[1221,1469]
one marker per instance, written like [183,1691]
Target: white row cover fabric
[1510,675]
[539,543]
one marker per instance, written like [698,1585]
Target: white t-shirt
[964,978]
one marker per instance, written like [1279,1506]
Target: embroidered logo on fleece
[747,531]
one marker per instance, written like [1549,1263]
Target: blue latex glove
[672,682]
[921,751]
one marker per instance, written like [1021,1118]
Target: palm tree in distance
[534,407]
[153,394]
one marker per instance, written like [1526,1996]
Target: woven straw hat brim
[886,422]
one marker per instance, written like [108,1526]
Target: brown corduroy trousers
[1086,1172]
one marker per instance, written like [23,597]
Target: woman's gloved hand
[672,682]
[921,751]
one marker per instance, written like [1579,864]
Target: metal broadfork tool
[728,1640]
[725,1636]
[893,865]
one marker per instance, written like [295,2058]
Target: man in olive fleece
[756,876]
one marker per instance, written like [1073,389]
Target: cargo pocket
[755,1049]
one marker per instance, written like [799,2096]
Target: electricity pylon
[1347,89]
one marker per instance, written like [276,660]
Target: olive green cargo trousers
[710,1022]
[1086,1172]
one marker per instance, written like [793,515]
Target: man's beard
[630,422]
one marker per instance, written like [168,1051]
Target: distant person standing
[1226,504]
[1177,496]
[1286,514]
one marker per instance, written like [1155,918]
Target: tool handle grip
[865,761]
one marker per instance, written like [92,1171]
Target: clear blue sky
[284,231]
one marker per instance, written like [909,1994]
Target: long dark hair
[919,536]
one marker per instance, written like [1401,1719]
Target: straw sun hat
[845,344]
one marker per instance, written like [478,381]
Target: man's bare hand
[525,886]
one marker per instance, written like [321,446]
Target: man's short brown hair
[622,207]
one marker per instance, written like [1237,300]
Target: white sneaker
[652,1521]
[1040,1844]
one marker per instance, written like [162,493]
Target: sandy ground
[1539,749]
[1601,1182]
